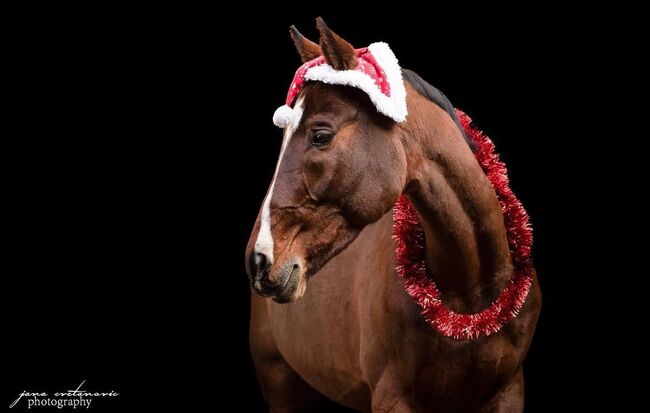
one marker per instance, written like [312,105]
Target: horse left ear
[338,53]
[307,49]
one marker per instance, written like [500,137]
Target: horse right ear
[307,49]
[338,53]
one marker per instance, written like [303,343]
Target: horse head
[342,166]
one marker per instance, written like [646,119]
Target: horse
[355,335]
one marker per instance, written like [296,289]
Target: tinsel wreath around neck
[410,254]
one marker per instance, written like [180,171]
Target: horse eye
[321,138]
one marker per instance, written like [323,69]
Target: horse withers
[331,315]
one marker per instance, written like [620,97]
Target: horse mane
[436,96]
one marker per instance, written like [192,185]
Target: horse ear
[338,53]
[307,49]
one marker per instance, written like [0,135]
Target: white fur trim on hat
[393,106]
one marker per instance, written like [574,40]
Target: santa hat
[377,73]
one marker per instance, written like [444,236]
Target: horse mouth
[291,283]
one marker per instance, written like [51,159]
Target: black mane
[436,96]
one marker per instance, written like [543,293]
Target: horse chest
[319,340]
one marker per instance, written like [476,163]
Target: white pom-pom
[283,116]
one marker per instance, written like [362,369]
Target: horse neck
[466,247]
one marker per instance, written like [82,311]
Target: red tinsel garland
[409,237]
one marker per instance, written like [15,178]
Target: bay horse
[356,335]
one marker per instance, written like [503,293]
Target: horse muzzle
[283,284]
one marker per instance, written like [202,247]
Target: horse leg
[284,391]
[395,406]
[510,399]
[388,396]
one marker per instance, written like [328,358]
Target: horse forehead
[320,97]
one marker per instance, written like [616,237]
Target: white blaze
[264,242]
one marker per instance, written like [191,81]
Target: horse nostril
[262,265]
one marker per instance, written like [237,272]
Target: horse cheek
[317,177]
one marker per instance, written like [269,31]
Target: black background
[141,147]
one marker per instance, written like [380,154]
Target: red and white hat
[377,73]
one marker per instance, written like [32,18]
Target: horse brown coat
[353,334]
